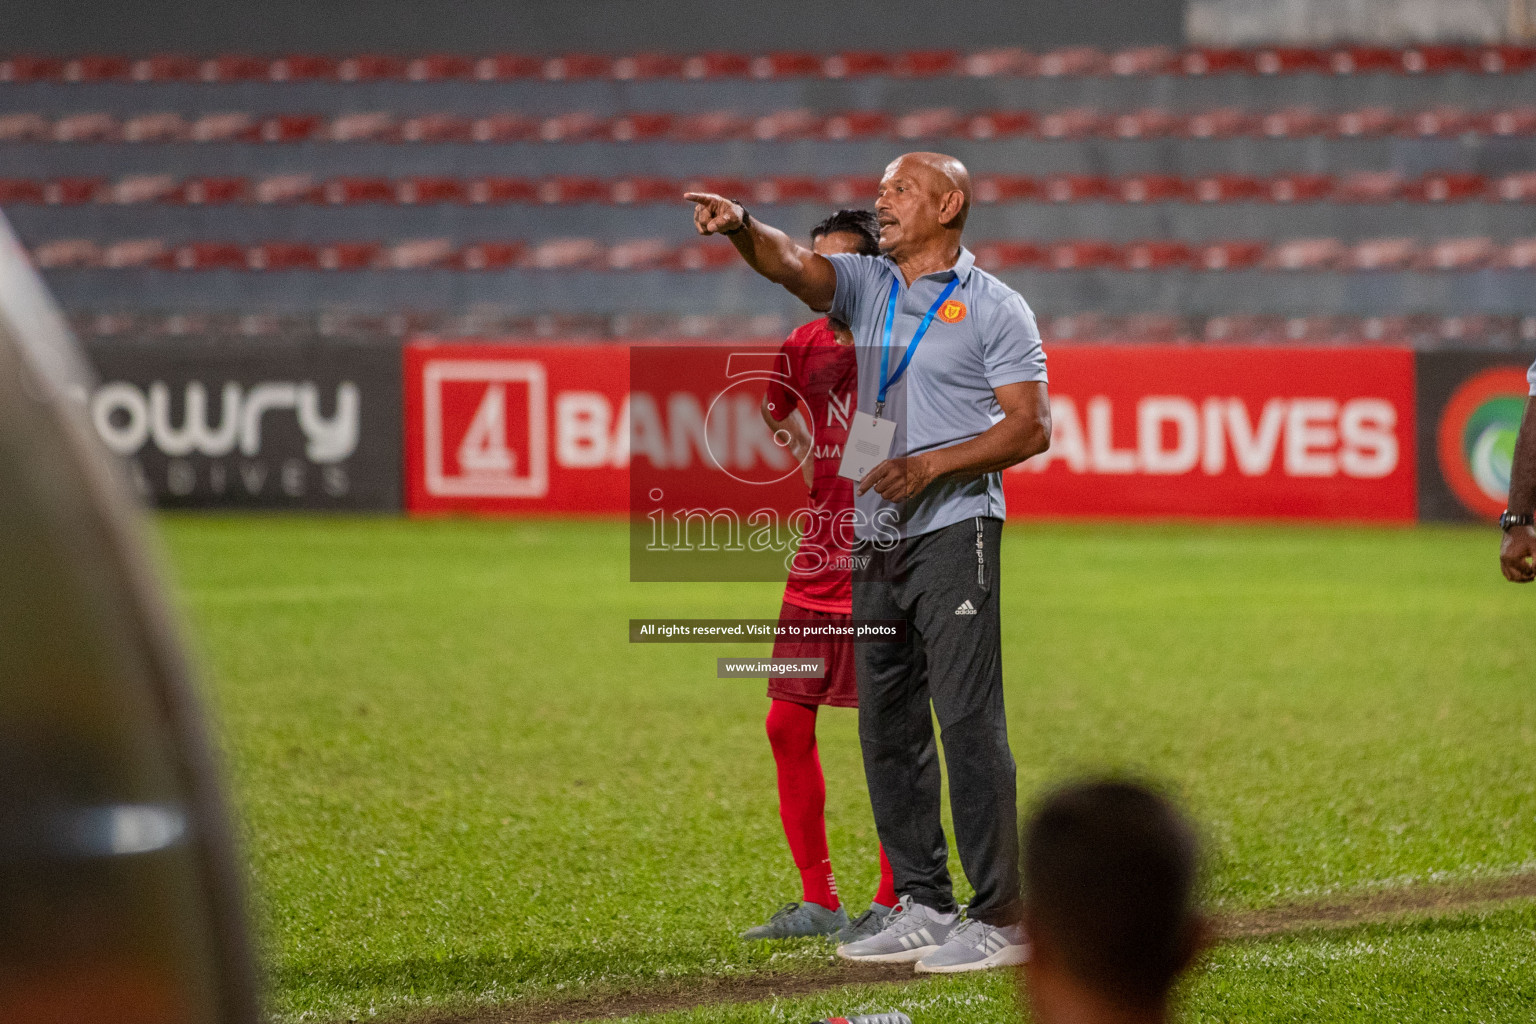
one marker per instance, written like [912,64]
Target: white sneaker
[912,932]
[976,946]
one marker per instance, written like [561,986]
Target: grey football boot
[911,932]
[797,920]
[866,924]
[976,946]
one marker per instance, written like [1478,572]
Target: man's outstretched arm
[767,250]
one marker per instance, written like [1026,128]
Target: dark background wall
[479,26]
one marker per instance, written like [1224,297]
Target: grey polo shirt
[945,397]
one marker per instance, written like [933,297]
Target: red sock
[886,894]
[802,797]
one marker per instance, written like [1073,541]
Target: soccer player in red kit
[824,374]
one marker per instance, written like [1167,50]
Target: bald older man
[952,390]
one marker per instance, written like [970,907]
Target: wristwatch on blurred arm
[1508,521]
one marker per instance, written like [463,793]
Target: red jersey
[823,375]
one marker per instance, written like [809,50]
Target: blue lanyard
[922,329]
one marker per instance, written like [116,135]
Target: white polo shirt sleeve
[858,279]
[1011,350]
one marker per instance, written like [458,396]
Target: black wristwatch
[746,218]
[1508,521]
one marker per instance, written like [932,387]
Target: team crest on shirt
[952,312]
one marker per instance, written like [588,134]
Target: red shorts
[839,687]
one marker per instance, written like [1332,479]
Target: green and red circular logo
[1477,437]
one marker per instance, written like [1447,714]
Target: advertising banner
[1146,430]
[253,425]
[1470,404]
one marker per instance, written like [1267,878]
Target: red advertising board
[1144,430]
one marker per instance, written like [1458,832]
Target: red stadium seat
[712,126]
[789,189]
[210,256]
[417,254]
[25,128]
[303,67]
[1145,328]
[567,254]
[1439,122]
[1367,122]
[1381,254]
[787,65]
[1001,124]
[719,186]
[371,67]
[1300,188]
[428,189]
[505,128]
[573,67]
[1153,188]
[32,69]
[1232,255]
[1506,60]
[1157,255]
[705,255]
[215,191]
[717,65]
[1291,123]
[165,127]
[1515,188]
[21,192]
[574,188]
[638,254]
[350,255]
[1074,123]
[1458,254]
[1147,123]
[507,67]
[647,65]
[372,126]
[1010,60]
[491,255]
[646,190]
[440,67]
[846,190]
[1143,60]
[1079,188]
[1208,61]
[1360,60]
[858,124]
[787,125]
[435,128]
[931,123]
[291,128]
[227,127]
[1305,254]
[1369,187]
[1220,123]
[576,126]
[1514,122]
[62,253]
[283,256]
[926,63]
[1436,60]
[861,64]
[1007,188]
[72,191]
[496,191]
[1450,187]
[1084,254]
[1518,255]
[97,68]
[86,128]
[144,188]
[235,67]
[1291,60]
[1072,62]
[1010,256]
[642,127]
[167,67]
[287,189]
[351,190]
[1229,188]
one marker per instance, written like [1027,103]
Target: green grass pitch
[459,784]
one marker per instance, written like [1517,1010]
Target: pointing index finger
[698,197]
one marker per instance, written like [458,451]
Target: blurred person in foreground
[1110,871]
[810,409]
[938,421]
[1517,552]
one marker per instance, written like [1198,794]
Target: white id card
[869,444]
